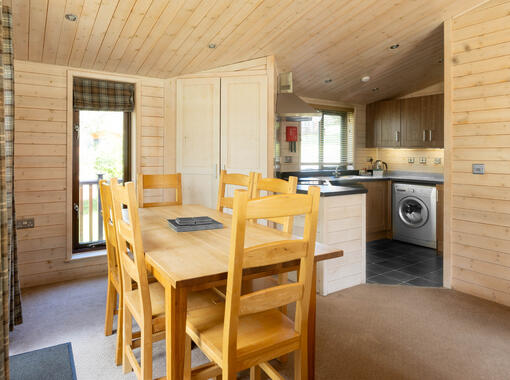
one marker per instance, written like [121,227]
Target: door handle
[430,134]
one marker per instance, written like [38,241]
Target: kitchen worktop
[332,191]
[397,176]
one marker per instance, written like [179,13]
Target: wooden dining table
[189,261]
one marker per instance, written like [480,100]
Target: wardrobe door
[198,139]
[244,124]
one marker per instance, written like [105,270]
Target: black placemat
[199,223]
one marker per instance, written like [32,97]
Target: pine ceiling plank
[117,23]
[20,18]
[373,40]
[128,32]
[196,63]
[218,10]
[85,25]
[236,10]
[38,11]
[53,28]
[307,9]
[193,21]
[147,27]
[250,26]
[297,39]
[68,32]
[180,19]
[151,42]
[101,23]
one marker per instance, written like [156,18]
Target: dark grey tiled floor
[397,263]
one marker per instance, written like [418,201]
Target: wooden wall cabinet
[406,123]
[221,124]
[378,209]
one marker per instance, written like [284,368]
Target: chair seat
[196,300]
[270,333]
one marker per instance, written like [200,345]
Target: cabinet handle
[397,136]
[430,134]
[424,135]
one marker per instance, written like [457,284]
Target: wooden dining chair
[114,289]
[276,186]
[233,179]
[250,329]
[143,301]
[159,181]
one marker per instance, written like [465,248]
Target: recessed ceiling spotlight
[365,79]
[375,89]
[212,46]
[329,80]
[393,47]
[71,17]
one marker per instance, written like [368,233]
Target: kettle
[380,165]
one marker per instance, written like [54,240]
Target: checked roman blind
[103,95]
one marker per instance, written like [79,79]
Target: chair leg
[146,351]
[301,364]
[283,278]
[111,300]
[187,359]
[120,333]
[127,332]
[255,373]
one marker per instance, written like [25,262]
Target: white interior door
[244,124]
[198,139]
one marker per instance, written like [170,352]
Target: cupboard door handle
[397,136]
[430,134]
[424,135]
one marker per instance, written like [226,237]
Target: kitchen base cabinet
[378,209]
[341,225]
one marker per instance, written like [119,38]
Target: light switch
[478,168]
[410,160]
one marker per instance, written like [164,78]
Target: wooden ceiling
[341,40]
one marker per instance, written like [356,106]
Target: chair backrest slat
[131,252]
[270,298]
[265,254]
[160,181]
[274,253]
[276,186]
[233,179]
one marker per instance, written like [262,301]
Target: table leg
[311,326]
[175,323]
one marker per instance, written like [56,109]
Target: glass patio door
[101,146]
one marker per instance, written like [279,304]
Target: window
[327,141]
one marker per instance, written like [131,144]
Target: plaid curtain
[9,282]
[103,95]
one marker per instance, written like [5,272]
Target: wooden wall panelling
[477,115]
[42,157]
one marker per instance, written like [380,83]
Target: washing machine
[414,214]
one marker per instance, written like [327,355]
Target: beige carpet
[366,332]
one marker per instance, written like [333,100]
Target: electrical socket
[410,160]
[478,169]
[437,160]
[423,160]
[25,223]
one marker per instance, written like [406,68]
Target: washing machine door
[413,212]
